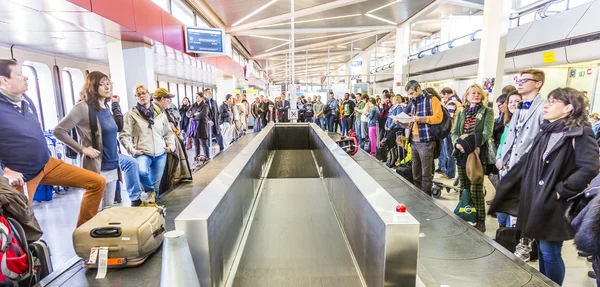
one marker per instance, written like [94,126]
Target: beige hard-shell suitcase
[131,234]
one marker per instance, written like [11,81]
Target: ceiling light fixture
[342,46]
[388,4]
[312,20]
[254,13]
[271,49]
[329,36]
[381,19]
[270,38]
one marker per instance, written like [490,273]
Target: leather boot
[480,225]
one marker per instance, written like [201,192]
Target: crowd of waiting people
[541,153]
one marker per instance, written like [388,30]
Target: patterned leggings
[476,192]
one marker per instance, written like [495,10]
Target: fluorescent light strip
[277,47]
[342,46]
[389,4]
[254,13]
[312,20]
[270,38]
[329,36]
[381,19]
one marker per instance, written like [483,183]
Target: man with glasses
[426,111]
[527,120]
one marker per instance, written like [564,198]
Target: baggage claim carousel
[287,207]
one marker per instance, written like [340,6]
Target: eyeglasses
[554,101]
[525,80]
[142,93]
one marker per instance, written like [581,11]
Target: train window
[182,12]
[33,92]
[172,87]
[163,84]
[68,92]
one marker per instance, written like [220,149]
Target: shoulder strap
[93,126]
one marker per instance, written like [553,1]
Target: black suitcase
[507,237]
[405,170]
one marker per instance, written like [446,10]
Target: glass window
[33,92]
[163,84]
[575,3]
[189,92]
[200,22]
[183,13]
[68,92]
[162,3]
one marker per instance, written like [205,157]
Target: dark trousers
[204,143]
[422,165]
[330,122]
[349,125]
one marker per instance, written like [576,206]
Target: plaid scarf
[422,108]
[148,114]
[470,119]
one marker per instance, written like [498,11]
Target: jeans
[330,122]
[422,165]
[358,131]
[343,126]
[151,171]
[322,122]
[550,260]
[596,267]
[131,175]
[58,172]
[503,219]
[348,124]
[257,124]
[447,161]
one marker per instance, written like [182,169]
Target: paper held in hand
[402,117]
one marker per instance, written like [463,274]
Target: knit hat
[162,93]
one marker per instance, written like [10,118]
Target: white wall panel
[466,71]
[552,29]
[583,52]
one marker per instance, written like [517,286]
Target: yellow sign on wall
[251,92]
[549,57]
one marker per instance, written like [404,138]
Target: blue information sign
[204,40]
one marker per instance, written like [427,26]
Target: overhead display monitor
[204,40]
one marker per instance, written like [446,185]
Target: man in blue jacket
[24,156]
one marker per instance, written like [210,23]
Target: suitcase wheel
[436,191]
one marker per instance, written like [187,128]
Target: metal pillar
[328,82]
[374,74]
[306,71]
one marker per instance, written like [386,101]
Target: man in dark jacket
[215,119]
[265,107]
[24,156]
[282,107]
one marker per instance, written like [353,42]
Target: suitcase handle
[103,232]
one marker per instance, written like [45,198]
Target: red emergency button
[401,208]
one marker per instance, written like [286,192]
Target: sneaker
[583,253]
[522,251]
[148,204]
[592,274]
[444,176]
[136,202]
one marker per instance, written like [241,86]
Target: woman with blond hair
[472,129]
[148,137]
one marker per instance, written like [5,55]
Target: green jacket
[484,124]
[359,106]
[502,140]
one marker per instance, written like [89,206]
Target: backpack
[15,260]
[71,153]
[442,130]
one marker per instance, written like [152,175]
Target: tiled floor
[577,267]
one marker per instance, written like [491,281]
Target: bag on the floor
[507,237]
[43,193]
[465,208]
[382,153]
[348,144]
[405,170]
[23,264]
[131,235]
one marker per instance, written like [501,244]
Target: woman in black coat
[561,163]
[200,125]
[185,120]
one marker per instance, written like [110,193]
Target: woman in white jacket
[148,137]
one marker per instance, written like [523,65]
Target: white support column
[366,68]
[293,95]
[225,85]
[328,81]
[130,64]
[493,45]
[401,57]
[374,74]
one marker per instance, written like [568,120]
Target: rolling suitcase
[131,235]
